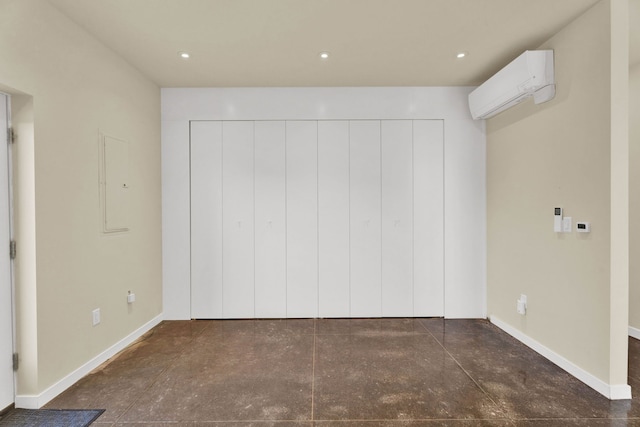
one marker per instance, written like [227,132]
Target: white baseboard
[619,392]
[610,391]
[634,332]
[38,401]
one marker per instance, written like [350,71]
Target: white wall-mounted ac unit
[530,74]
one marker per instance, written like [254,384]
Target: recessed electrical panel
[114,184]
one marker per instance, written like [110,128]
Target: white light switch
[566,224]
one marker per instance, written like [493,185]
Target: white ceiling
[277,42]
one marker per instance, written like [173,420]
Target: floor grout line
[460,365]
[376,420]
[313,368]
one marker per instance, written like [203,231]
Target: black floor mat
[50,417]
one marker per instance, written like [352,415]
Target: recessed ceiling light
[461,55]
[324,55]
[184,55]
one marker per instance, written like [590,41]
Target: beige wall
[559,154]
[66,266]
[634,196]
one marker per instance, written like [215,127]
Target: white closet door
[397,218]
[428,214]
[365,247]
[302,218]
[306,218]
[333,219]
[237,220]
[270,227]
[206,220]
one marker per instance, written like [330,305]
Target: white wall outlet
[96,316]
[131,297]
[521,305]
[566,224]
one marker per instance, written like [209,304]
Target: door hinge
[16,361]
[11,136]
[12,249]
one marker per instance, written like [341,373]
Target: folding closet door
[317,218]
[237,220]
[302,218]
[428,214]
[270,216]
[397,217]
[333,219]
[206,220]
[364,203]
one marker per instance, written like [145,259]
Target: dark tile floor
[341,372]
